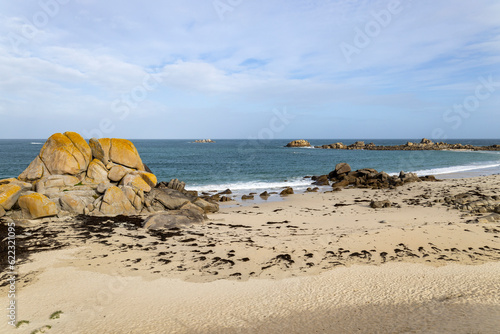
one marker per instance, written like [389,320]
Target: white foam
[242,187]
[35,143]
[456,169]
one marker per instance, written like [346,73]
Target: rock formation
[425,144]
[105,177]
[298,143]
[342,176]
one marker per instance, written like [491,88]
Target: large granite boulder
[341,168]
[66,153]
[73,204]
[9,194]
[36,170]
[115,202]
[168,220]
[25,186]
[36,205]
[123,152]
[118,172]
[100,149]
[97,172]
[298,143]
[206,206]
[118,151]
[140,180]
[55,183]
[168,198]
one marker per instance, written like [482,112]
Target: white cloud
[92,53]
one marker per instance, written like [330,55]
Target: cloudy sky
[250,68]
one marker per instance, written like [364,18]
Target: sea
[246,166]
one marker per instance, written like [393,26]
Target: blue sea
[258,165]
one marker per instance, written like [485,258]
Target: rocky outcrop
[36,205]
[298,143]
[336,146]
[66,153]
[342,176]
[321,180]
[425,144]
[167,198]
[105,177]
[173,184]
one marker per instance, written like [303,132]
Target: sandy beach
[321,262]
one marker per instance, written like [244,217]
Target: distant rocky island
[299,143]
[425,144]
[204,141]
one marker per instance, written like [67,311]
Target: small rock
[380,204]
[287,191]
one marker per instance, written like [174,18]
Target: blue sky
[250,69]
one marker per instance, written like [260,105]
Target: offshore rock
[298,143]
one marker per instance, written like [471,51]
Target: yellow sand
[317,268]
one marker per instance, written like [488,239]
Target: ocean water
[253,165]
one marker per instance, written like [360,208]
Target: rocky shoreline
[424,145]
[104,177]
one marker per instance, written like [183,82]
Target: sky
[250,69]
